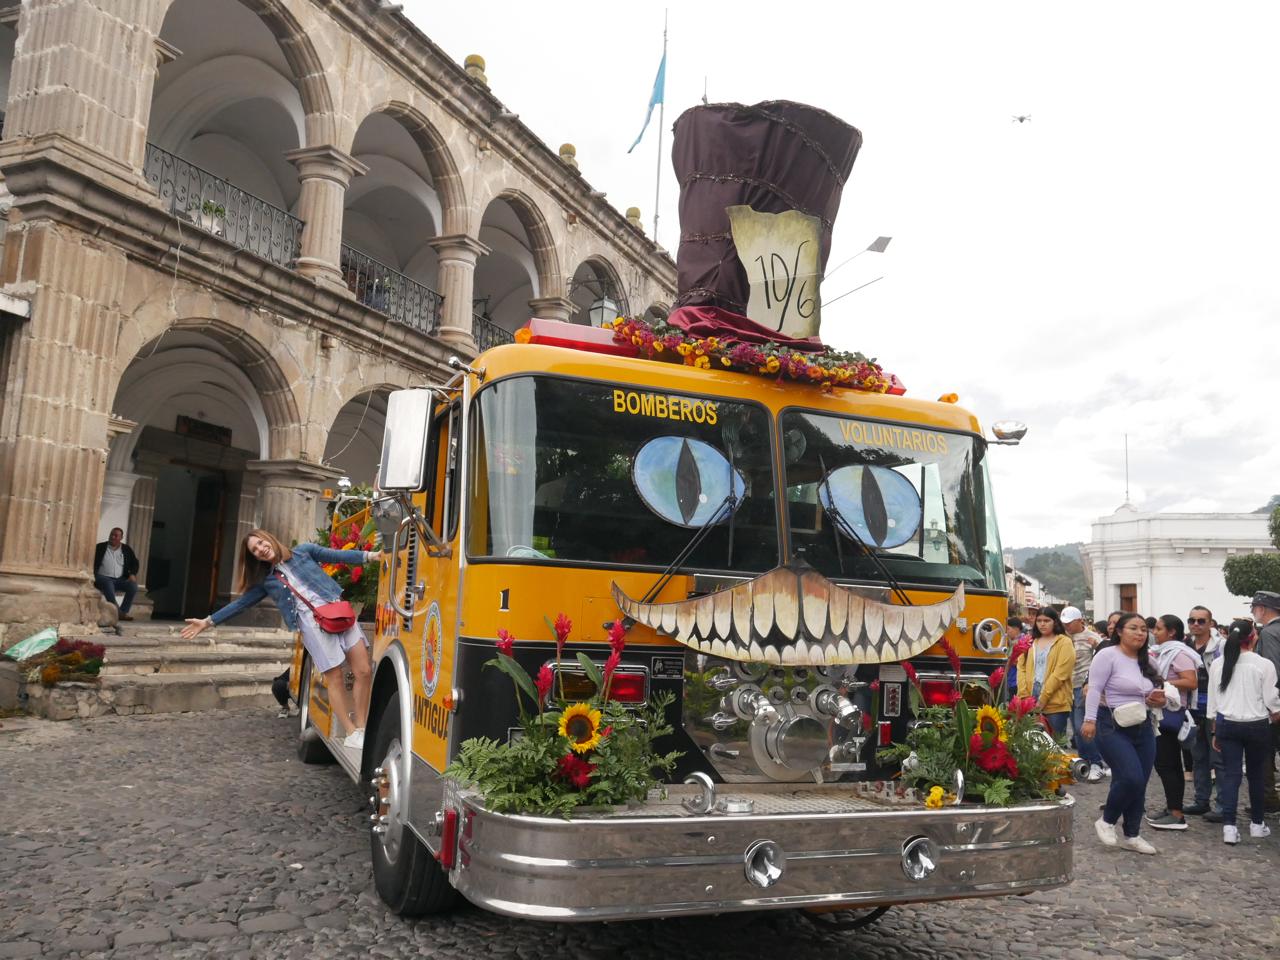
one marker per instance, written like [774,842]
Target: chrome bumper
[827,848]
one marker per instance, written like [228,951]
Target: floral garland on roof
[829,369]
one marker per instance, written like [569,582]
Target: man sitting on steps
[115,568]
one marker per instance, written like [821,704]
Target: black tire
[407,875]
[311,748]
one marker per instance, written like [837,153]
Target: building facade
[233,227]
[1157,563]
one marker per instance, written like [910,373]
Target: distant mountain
[1270,505]
[1022,554]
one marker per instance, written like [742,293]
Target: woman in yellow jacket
[1044,671]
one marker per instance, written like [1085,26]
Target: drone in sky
[1021,117]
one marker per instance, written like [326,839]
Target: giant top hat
[759,190]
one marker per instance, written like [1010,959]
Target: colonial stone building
[233,227]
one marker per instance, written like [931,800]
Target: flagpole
[657,190]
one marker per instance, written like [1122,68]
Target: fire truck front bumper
[762,847]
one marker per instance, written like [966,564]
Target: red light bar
[577,336]
[448,839]
[896,387]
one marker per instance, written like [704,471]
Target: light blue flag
[659,85]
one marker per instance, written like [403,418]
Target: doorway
[187,536]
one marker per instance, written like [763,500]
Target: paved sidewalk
[200,835]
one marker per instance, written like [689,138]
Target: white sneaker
[1095,773]
[1259,830]
[1137,845]
[1106,832]
[1230,834]
[355,740]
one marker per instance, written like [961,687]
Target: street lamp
[602,311]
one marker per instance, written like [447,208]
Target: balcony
[215,205]
[488,334]
[390,292]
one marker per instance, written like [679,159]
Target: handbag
[1129,714]
[1171,718]
[336,617]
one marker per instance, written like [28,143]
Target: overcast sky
[1108,267]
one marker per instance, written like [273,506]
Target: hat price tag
[780,253]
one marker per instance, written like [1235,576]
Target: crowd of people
[1191,700]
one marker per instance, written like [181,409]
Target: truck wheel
[839,920]
[311,748]
[407,876]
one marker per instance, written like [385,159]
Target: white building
[1156,563]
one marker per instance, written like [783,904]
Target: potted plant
[210,216]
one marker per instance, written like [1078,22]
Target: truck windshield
[587,472]
[919,498]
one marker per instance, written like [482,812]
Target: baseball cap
[1266,598]
[1071,613]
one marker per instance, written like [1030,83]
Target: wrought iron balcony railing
[215,205]
[488,334]
[389,291]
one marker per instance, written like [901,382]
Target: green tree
[1246,575]
[1061,575]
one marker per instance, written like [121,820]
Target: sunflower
[991,724]
[580,725]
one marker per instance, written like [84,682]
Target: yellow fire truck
[566,478]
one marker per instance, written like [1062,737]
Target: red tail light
[448,839]
[938,693]
[885,732]
[628,687]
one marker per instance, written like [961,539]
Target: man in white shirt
[115,569]
[1085,641]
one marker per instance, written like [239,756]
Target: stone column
[289,497]
[55,390]
[117,499]
[247,516]
[553,308]
[324,173]
[457,274]
[138,536]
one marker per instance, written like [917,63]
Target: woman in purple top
[1122,674]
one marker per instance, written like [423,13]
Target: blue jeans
[108,586]
[1088,749]
[1058,722]
[1250,742]
[1130,752]
[1204,761]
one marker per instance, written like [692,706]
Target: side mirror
[406,439]
[1009,431]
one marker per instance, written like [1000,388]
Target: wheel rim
[304,699]
[389,798]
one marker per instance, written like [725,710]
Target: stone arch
[304,63]
[281,425]
[604,270]
[542,243]
[445,178]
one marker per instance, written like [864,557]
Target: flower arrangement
[829,368]
[67,661]
[353,529]
[1004,750]
[590,753]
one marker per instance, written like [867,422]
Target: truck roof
[510,359]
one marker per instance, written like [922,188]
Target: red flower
[911,673]
[997,677]
[506,642]
[356,574]
[575,770]
[867,722]
[563,627]
[995,758]
[1021,706]
[611,665]
[875,686]
[544,681]
[1020,648]
[952,656]
[605,731]
[334,541]
[617,637]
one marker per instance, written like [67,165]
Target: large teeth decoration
[794,615]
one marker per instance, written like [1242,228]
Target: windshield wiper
[731,503]
[843,526]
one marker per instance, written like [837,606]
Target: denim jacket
[305,568]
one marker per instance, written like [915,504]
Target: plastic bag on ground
[36,643]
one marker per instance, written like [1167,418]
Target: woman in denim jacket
[265,566]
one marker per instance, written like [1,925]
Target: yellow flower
[991,724]
[726,361]
[684,349]
[657,346]
[580,725]
[934,801]
[773,364]
[702,363]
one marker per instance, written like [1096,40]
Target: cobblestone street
[201,835]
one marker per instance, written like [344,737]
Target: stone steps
[149,668]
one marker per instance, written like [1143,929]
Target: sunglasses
[1197,619]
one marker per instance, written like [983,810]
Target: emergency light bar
[577,336]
